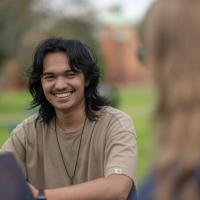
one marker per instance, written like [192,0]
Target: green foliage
[74,28]
[16,20]
[25,23]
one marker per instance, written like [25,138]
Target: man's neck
[70,121]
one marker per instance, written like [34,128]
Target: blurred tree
[74,28]
[16,22]
[72,19]
[26,22]
[76,19]
[16,19]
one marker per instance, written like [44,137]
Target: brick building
[119,47]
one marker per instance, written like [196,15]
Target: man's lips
[62,94]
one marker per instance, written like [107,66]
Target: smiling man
[77,146]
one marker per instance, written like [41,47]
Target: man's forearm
[114,187]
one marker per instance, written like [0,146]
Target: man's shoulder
[27,122]
[30,119]
[117,118]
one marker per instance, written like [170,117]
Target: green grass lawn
[137,102]
[13,108]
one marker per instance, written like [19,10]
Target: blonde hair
[173,54]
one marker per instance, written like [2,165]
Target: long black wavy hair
[81,59]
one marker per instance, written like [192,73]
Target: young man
[77,146]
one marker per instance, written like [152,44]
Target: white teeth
[63,95]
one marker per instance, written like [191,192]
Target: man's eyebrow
[47,73]
[52,73]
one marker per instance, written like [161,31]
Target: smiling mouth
[63,94]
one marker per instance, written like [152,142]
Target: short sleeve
[121,147]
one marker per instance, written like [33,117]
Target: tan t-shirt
[108,147]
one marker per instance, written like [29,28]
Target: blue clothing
[132,195]
[145,192]
[147,189]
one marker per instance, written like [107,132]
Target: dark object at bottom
[13,185]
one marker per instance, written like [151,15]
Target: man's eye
[71,74]
[49,77]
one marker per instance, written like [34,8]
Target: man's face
[62,87]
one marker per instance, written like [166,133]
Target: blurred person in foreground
[76,146]
[173,46]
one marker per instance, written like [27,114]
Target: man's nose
[61,82]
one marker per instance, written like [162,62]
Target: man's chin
[62,108]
